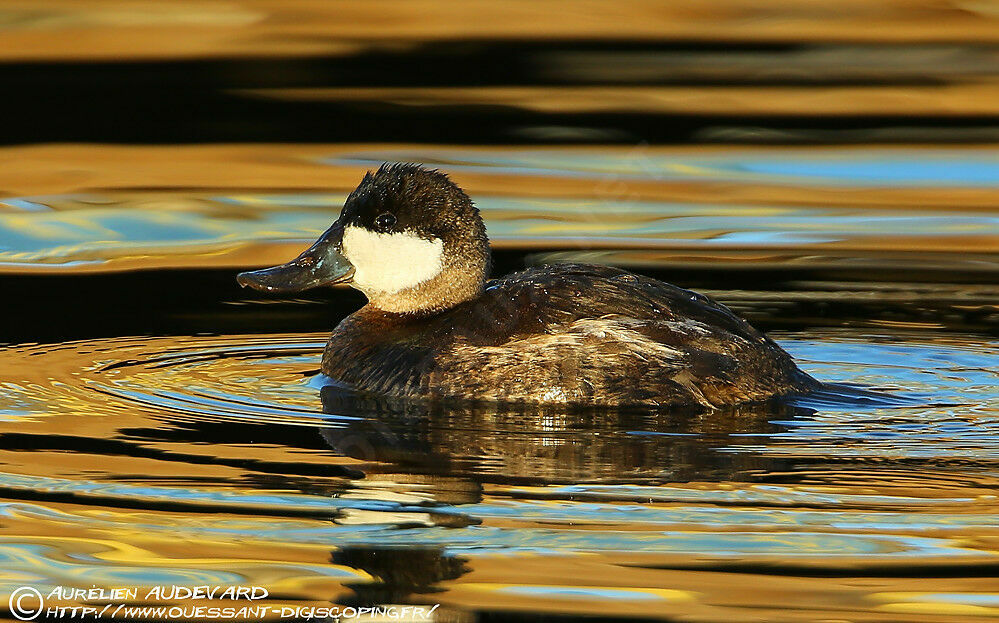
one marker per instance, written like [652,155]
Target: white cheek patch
[391,262]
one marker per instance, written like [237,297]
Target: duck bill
[321,264]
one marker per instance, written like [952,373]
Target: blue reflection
[975,169]
[584,592]
[948,168]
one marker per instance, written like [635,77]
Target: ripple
[927,168]
[248,377]
[123,230]
[944,383]
[223,444]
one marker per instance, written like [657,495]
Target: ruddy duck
[412,241]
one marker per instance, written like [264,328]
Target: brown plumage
[564,334]
[568,334]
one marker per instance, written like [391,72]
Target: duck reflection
[446,453]
[401,574]
[549,444]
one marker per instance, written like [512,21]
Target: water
[162,427]
[210,460]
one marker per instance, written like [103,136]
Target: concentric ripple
[214,459]
[246,377]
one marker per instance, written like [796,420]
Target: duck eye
[385,221]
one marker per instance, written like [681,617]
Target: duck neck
[460,280]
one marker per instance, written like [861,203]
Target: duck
[436,327]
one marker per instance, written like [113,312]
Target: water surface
[162,427]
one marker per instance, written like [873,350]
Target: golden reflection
[110,29]
[211,230]
[952,101]
[208,135]
[474,507]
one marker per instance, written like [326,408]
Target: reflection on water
[816,207]
[927,168]
[160,427]
[179,456]
[220,460]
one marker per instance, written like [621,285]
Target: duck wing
[602,335]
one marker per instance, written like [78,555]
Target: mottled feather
[573,334]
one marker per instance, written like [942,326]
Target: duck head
[408,238]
